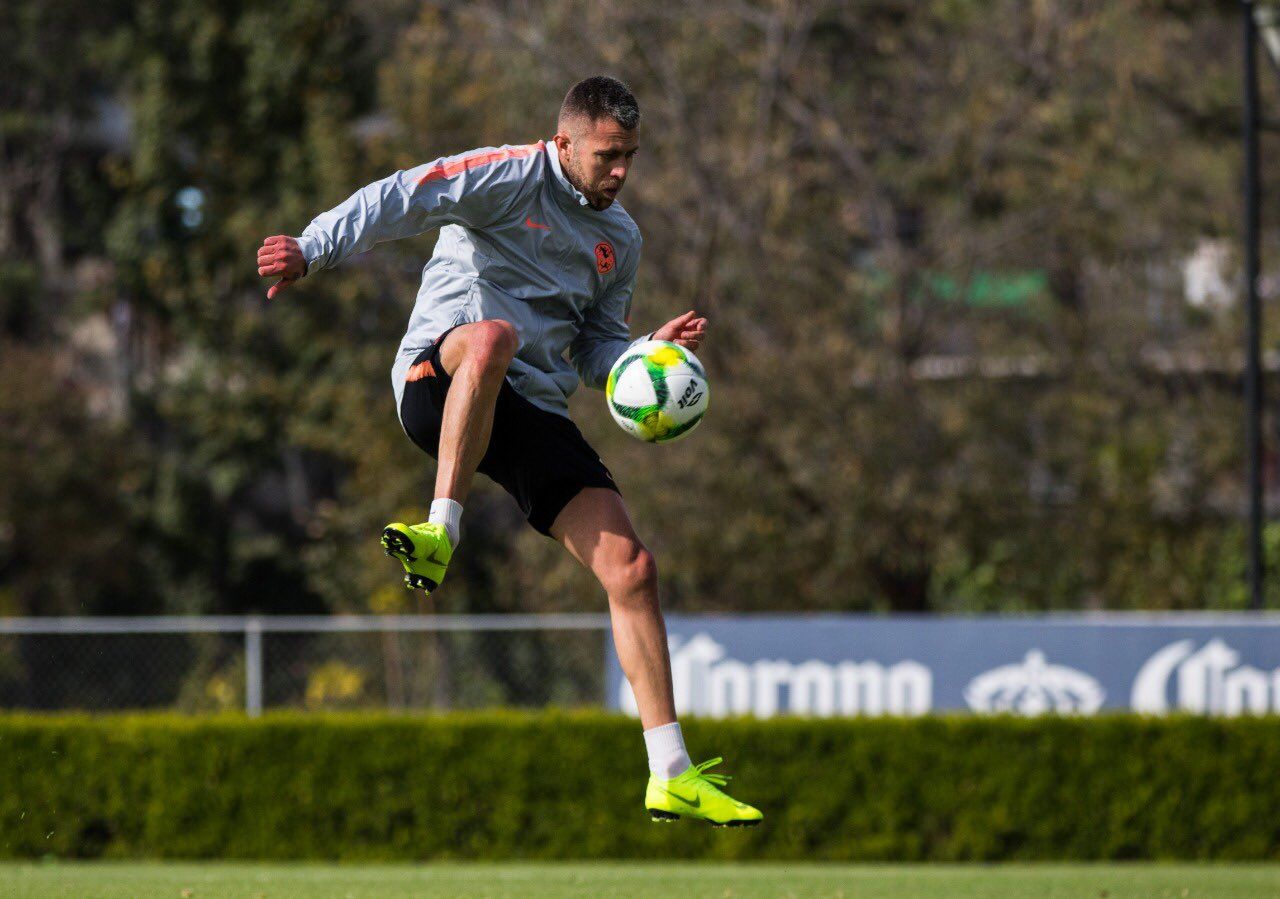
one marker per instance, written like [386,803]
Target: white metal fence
[207,663]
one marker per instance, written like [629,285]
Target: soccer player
[535,258]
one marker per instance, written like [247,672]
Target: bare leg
[475,356]
[597,531]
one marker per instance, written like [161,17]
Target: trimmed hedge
[570,785]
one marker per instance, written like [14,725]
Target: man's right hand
[281,255]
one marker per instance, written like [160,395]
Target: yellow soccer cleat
[696,794]
[424,550]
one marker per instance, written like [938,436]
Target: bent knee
[495,340]
[487,346]
[633,576]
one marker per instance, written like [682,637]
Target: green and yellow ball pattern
[657,391]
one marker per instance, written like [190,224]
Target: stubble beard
[573,172]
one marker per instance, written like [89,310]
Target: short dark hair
[601,96]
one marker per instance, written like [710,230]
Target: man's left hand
[688,331]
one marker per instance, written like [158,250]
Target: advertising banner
[849,665]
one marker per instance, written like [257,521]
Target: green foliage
[846,190]
[568,785]
[79,503]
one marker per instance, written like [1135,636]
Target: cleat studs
[422,582]
[398,544]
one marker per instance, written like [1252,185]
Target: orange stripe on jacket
[476,160]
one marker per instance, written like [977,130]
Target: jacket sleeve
[473,189]
[605,334]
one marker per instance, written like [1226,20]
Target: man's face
[596,157]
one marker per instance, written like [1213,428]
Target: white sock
[667,756]
[448,513]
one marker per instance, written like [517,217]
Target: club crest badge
[604,257]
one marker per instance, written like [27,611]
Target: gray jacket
[518,243]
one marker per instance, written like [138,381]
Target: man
[535,257]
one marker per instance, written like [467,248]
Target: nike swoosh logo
[532,224]
[692,803]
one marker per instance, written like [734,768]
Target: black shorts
[539,457]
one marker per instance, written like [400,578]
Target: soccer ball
[657,391]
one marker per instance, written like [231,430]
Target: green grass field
[108,880]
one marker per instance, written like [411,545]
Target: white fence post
[253,666]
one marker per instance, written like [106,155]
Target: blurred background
[973,270]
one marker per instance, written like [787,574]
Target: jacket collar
[565,192]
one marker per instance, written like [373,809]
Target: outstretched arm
[473,189]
